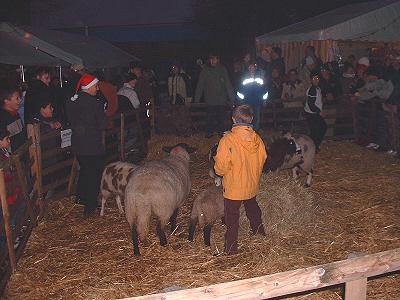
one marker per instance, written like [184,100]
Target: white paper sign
[66,138]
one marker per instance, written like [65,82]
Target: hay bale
[286,205]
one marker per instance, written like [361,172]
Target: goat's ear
[167,149]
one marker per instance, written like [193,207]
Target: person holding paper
[86,115]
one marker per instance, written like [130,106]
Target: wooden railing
[17,219]
[41,165]
[352,272]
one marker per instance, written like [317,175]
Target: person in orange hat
[86,115]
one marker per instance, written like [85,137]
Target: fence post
[24,189]
[34,134]
[357,289]
[122,141]
[7,227]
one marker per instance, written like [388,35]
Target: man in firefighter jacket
[252,91]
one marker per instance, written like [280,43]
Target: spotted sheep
[113,183]
[292,152]
[208,207]
[158,187]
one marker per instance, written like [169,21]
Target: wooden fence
[342,118]
[43,171]
[353,273]
[19,213]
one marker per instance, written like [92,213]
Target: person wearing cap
[313,111]
[86,116]
[215,87]
[252,91]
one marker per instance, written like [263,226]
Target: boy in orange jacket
[240,159]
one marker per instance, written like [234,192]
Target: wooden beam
[290,282]
[6,218]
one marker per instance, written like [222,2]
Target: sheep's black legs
[161,234]
[192,229]
[135,241]
[207,235]
[172,220]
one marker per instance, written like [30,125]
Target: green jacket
[214,84]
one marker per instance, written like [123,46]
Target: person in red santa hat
[86,115]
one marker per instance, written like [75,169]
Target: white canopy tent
[373,21]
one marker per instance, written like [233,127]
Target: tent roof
[371,21]
[15,50]
[74,48]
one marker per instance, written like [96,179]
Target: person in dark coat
[38,89]
[86,116]
[313,111]
[10,120]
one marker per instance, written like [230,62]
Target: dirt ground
[356,196]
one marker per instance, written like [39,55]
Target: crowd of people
[251,80]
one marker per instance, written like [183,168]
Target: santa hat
[86,82]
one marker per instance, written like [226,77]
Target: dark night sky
[241,17]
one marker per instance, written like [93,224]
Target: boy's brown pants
[232,214]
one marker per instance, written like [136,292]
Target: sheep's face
[180,150]
[280,151]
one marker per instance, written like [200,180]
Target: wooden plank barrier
[353,272]
[18,215]
[287,115]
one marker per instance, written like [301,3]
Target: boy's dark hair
[130,77]
[41,71]
[243,114]
[277,50]
[6,93]
[314,73]
[43,103]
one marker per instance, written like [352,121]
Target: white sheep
[157,187]
[208,207]
[113,183]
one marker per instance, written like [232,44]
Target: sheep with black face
[158,187]
[292,152]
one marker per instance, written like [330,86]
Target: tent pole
[60,74]
[21,67]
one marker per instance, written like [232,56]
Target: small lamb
[113,183]
[208,207]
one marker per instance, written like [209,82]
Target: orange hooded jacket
[240,159]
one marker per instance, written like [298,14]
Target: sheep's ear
[167,149]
